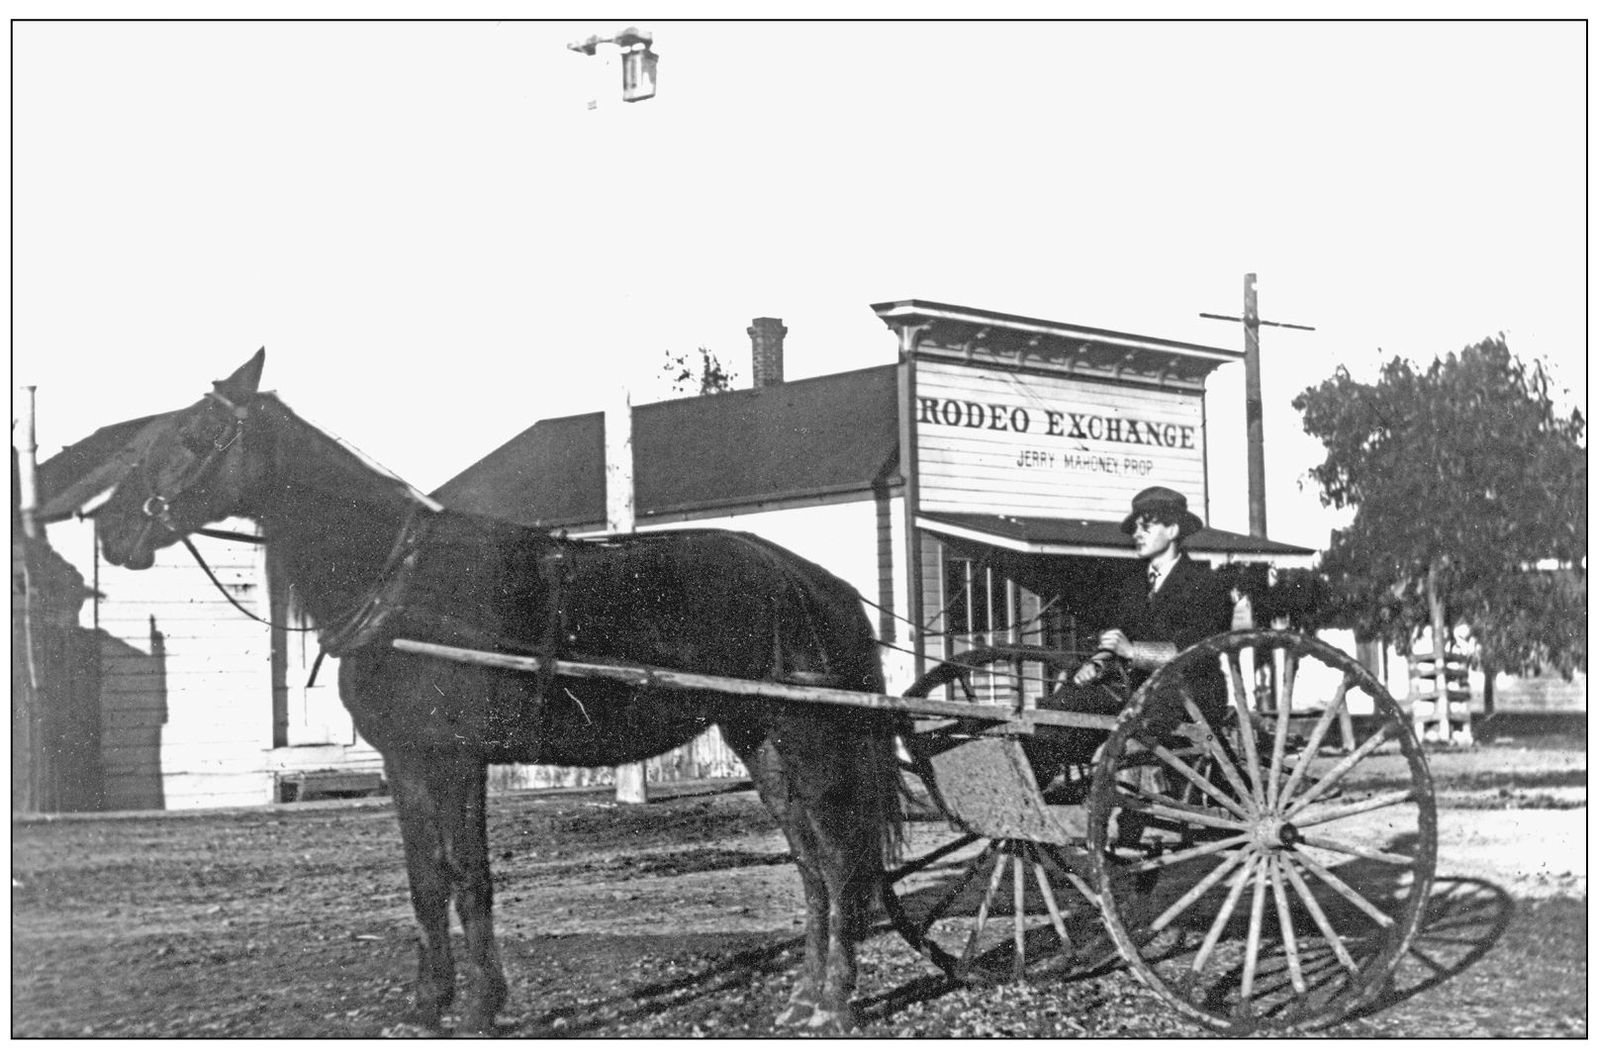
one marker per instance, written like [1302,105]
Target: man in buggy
[1175,604]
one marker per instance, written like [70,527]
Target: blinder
[158,505]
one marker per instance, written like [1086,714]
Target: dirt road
[681,918]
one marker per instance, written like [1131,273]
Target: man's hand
[1116,643]
[1090,672]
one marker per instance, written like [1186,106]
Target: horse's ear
[246,379]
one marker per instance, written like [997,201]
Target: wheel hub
[1274,834]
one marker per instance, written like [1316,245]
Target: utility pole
[1255,397]
[639,66]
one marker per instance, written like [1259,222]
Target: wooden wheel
[1000,892]
[957,903]
[1292,876]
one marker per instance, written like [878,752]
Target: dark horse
[369,560]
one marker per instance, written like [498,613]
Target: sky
[439,243]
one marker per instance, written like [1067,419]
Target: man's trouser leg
[1052,749]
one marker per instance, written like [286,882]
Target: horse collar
[385,597]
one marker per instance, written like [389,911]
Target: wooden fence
[55,694]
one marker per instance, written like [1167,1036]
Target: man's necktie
[1153,581]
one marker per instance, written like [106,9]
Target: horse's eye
[199,435]
[193,440]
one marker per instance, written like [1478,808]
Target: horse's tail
[826,623]
[881,774]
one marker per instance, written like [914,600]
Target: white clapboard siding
[186,689]
[707,756]
[1010,471]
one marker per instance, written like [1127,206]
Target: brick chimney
[766,334]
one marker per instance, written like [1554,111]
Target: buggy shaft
[651,676]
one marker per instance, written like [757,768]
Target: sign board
[1013,442]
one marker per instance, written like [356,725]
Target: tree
[709,377]
[1464,480]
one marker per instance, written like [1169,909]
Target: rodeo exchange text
[995,416]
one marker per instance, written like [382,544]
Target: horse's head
[193,470]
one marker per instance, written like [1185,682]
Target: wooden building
[1026,441]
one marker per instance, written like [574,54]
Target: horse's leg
[770,781]
[812,978]
[846,859]
[828,799]
[466,848]
[443,815]
[421,827]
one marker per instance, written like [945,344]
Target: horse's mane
[330,475]
[341,455]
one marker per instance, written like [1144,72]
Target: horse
[369,560]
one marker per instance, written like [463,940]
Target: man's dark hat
[1163,501]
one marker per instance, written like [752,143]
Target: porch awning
[1084,537]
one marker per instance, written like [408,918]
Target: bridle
[157,506]
[345,632]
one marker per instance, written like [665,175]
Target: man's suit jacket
[1189,606]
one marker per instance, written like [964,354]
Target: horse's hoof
[424,1017]
[410,1030]
[832,1021]
[798,1013]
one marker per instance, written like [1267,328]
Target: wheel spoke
[921,863]
[1322,727]
[1054,916]
[1289,938]
[1175,858]
[1283,724]
[1340,887]
[1250,749]
[1320,920]
[935,913]
[1170,809]
[1221,919]
[1199,780]
[1330,778]
[1019,871]
[1083,888]
[1198,890]
[1357,807]
[1216,750]
[1001,860]
[1328,844]
[1250,963]
[1434,965]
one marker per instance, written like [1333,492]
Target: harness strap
[556,637]
[361,625]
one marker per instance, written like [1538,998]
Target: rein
[357,628]
[220,587]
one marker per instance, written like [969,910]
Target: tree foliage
[1465,471]
[707,376]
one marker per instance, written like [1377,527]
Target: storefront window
[976,600]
